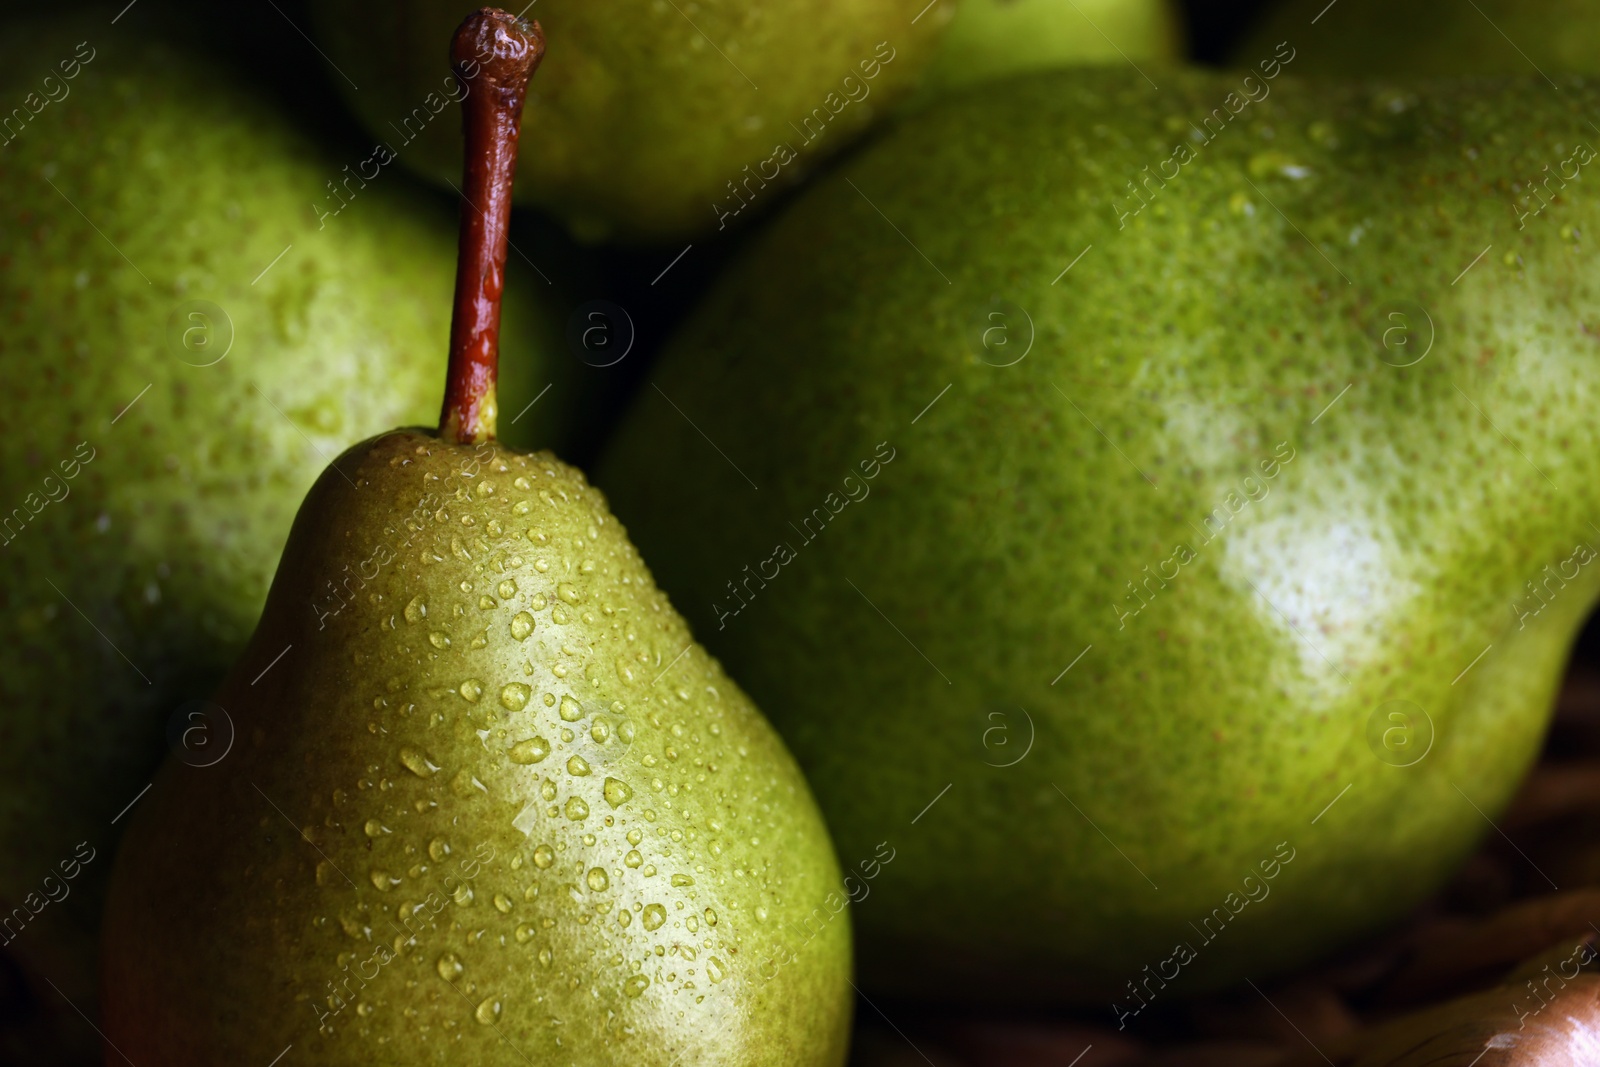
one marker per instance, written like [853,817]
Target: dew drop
[654,916]
[521,625]
[416,610]
[545,956]
[532,750]
[374,828]
[635,985]
[502,903]
[417,763]
[438,640]
[507,589]
[597,879]
[682,880]
[633,859]
[515,696]
[714,970]
[524,934]
[450,967]
[635,836]
[577,810]
[471,690]
[438,848]
[617,794]
[711,917]
[488,1011]
[578,767]
[571,710]
[543,857]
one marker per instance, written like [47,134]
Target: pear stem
[493,54]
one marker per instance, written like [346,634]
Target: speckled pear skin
[636,124]
[509,738]
[990,39]
[185,477]
[1377,550]
[1432,38]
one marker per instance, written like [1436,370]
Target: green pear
[488,802]
[1432,38]
[989,39]
[1170,511]
[654,121]
[167,288]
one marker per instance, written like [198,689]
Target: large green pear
[989,39]
[167,288]
[1168,512]
[493,805]
[1432,38]
[649,120]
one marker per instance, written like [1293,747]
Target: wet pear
[166,285]
[1180,507]
[649,115]
[487,801]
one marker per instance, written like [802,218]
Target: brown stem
[494,54]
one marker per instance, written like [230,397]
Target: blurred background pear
[1431,38]
[1062,476]
[645,116]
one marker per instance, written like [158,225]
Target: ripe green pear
[1432,38]
[989,39]
[646,114]
[493,806]
[1171,512]
[166,287]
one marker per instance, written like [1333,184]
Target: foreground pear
[166,286]
[1433,38]
[989,39]
[1176,532]
[486,800]
[654,120]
